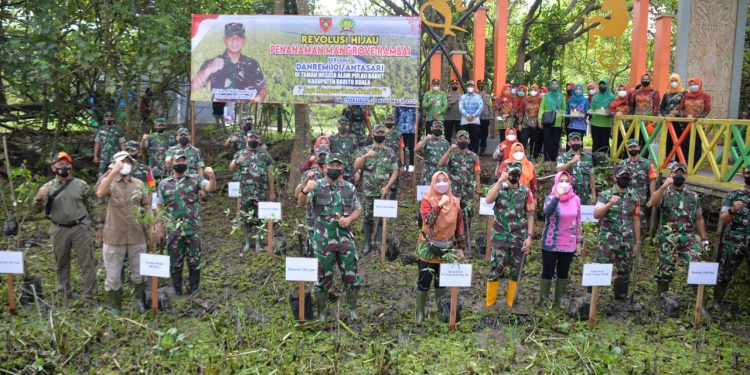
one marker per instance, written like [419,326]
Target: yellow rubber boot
[492,287]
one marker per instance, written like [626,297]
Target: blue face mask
[521,94]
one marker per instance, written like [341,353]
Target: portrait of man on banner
[232,76]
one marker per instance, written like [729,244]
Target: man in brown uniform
[69,204]
[124,234]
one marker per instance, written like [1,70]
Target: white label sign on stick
[421,191]
[153,201]
[486,209]
[154,265]
[455,275]
[703,273]
[269,210]
[597,274]
[233,188]
[385,208]
[301,269]
[587,214]
[11,262]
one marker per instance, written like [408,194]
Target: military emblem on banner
[325,24]
[346,25]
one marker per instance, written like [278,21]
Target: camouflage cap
[676,166]
[632,143]
[343,120]
[234,28]
[180,153]
[378,128]
[252,133]
[574,135]
[160,121]
[513,166]
[132,145]
[462,133]
[437,124]
[182,131]
[621,170]
[322,149]
[334,157]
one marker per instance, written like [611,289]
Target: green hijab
[553,98]
[603,99]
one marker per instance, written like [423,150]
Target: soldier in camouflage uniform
[357,124]
[238,139]
[256,185]
[735,217]
[643,175]
[580,166]
[140,171]
[156,145]
[344,145]
[681,215]
[394,141]
[316,172]
[512,228]
[108,141]
[379,167]
[432,147]
[618,209]
[195,157]
[334,206]
[177,203]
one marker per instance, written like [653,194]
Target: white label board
[486,209]
[154,265]
[703,273]
[421,191]
[597,274]
[587,214]
[153,201]
[455,275]
[301,269]
[410,169]
[385,208]
[11,262]
[233,188]
[269,210]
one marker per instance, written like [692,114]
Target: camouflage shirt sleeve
[726,203]
[199,159]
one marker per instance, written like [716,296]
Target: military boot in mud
[321,301]
[115,301]
[248,238]
[662,287]
[177,282]
[367,230]
[195,281]
[351,303]
[421,302]
[139,293]
[621,290]
[719,290]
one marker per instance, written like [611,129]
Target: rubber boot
[544,287]
[662,287]
[439,293]
[139,293]
[115,301]
[248,238]
[719,290]
[367,230]
[421,301]
[177,282]
[195,281]
[492,287]
[621,290]
[321,300]
[561,287]
[351,303]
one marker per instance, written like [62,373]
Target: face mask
[521,94]
[333,174]
[379,138]
[160,130]
[633,152]
[645,83]
[514,178]
[622,93]
[518,155]
[569,91]
[126,169]
[253,144]
[623,182]
[437,133]
[513,91]
[511,137]
[442,187]
[592,92]
[602,89]
[532,93]
[180,168]
[576,146]
[679,180]
[463,145]
[454,88]
[342,130]
[564,187]
[389,125]
[184,141]
[694,88]
[109,121]
[674,84]
[470,89]
[63,171]
[435,88]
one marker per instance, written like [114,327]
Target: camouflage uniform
[253,172]
[375,175]
[345,147]
[641,172]
[510,229]
[241,142]
[357,126]
[393,141]
[580,173]
[140,170]
[194,155]
[616,237]
[110,137]
[331,243]
[679,208]
[736,239]
[157,145]
[432,151]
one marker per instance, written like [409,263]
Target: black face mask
[180,168]
[679,180]
[437,133]
[184,141]
[463,145]
[576,146]
[634,152]
[379,138]
[389,125]
[569,91]
[645,83]
[160,130]
[333,174]
[602,89]
[747,180]
[623,182]
[253,144]
[342,130]
[454,88]
[109,122]
[514,178]
[247,129]
[63,171]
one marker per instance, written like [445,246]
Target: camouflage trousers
[621,259]
[249,212]
[368,204]
[341,253]
[503,255]
[394,188]
[645,217]
[734,249]
[360,135]
[182,247]
[673,247]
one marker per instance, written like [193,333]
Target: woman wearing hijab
[504,108]
[601,122]
[623,105]
[591,87]
[502,152]
[580,105]
[528,173]
[441,238]
[531,133]
[561,238]
[553,101]
[669,103]
[695,104]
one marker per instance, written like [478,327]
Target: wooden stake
[592,307]
[454,308]
[383,240]
[699,305]
[302,302]
[488,246]
[12,297]
[270,237]
[154,294]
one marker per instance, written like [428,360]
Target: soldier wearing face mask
[453,114]
[69,203]
[681,216]
[580,166]
[140,171]
[395,141]
[432,147]
[239,139]
[344,144]
[156,145]
[195,162]
[108,141]
[644,175]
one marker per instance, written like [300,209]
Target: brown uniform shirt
[121,226]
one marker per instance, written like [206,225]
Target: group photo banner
[305,59]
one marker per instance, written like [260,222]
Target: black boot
[139,293]
[195,281]
[367,231]
[177,282]
[662,287]
[621,290]
[719,290]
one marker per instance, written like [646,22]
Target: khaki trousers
[114,257]
[64,240]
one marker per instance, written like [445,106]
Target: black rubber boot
[719,290]
[195,281]
[177,282]
[248,231]
[662,287]
[139,293]
[321,301]
[621,290]
[115,301]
